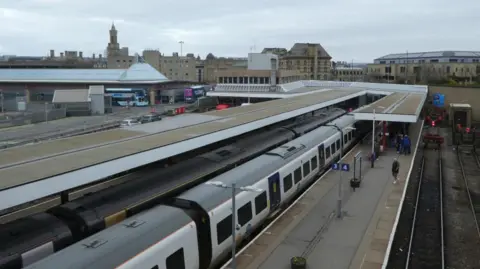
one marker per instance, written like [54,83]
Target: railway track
[470,170]
[426,248]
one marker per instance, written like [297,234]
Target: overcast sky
[358,30]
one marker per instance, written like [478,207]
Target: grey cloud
[348,29]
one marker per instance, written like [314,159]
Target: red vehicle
[222,106]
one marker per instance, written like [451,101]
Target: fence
[32,113]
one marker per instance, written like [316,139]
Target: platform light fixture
[233,187]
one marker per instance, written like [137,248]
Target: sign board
[438,100]
[341,166]
[335,166]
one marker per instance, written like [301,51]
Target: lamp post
[339,197]
[234,188]
[373,134]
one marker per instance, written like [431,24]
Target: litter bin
[298,263]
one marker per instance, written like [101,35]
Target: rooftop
[431,54]
[137,73]
[301,49]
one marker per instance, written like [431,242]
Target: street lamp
[339,198]
[233,187]
[373,133]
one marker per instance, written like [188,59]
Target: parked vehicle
[129,122]
[150,118]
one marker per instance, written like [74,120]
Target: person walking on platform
[406,145]
[399,143]
[395,169]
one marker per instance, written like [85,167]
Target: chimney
[93,56]
[61,54]
[99,56]
[273,74]
[80,54]
[52,54]
[315,63]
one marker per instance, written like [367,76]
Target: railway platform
[310,228]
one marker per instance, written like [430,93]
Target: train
[30,239]
[194,229]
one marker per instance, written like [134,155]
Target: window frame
[263,203]
[296,172]
[314,163]
[306,166]
[227,221]
[288,178]
[245,214]
[179,251]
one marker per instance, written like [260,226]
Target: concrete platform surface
[310,228]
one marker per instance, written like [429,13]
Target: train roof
[115,245]
[248,174]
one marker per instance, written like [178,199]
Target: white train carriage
[194,231]
[280,174]
[161,238]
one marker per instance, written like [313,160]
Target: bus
[128,97]
[192,93]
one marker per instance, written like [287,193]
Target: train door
[274,190]
[321,155]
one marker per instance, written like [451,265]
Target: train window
[297,175]
[244,214]
[224,229]
[327,152]
[350,135]
[338,144]
[287,183]
[306,169]
[345,138]
[314,163]
[333,148]
[260,203]
[177,259]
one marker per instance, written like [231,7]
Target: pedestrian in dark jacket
[395,169]
[399,144]
[406,145]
